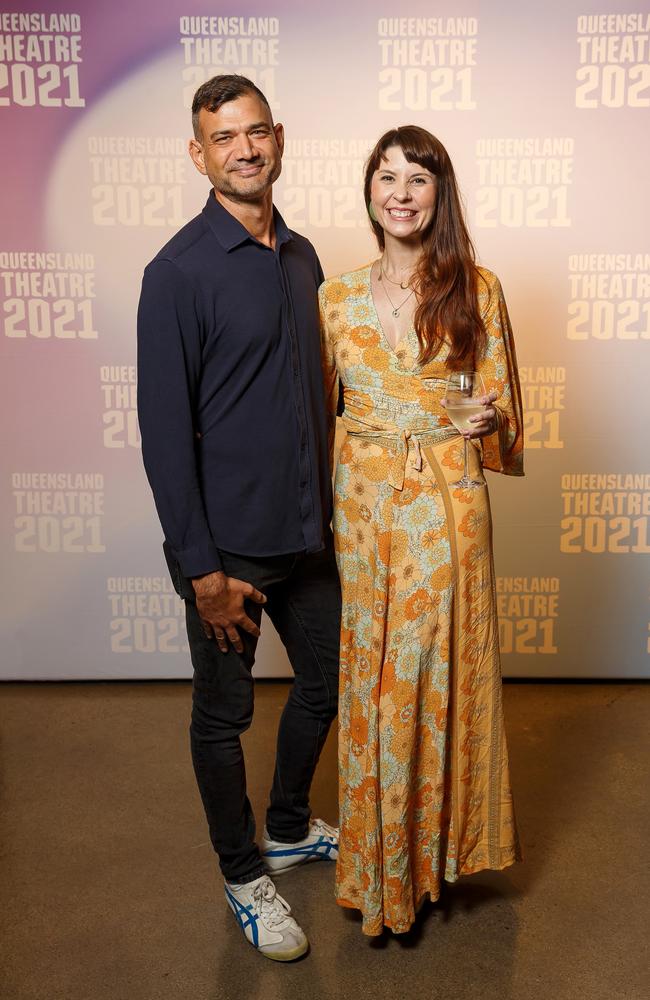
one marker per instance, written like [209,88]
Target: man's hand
[220,603]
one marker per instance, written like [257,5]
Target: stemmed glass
[462,395]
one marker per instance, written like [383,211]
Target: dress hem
[433,894]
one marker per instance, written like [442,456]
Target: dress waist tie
[398,442]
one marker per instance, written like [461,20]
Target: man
[234,441]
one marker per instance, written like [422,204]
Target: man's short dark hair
[220,90]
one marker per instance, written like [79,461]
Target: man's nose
[243,149]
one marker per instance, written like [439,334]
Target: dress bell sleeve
[331,380]
[503,450]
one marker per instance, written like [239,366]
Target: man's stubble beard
[258,185]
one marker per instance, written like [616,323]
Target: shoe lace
[325,830]
[268,904]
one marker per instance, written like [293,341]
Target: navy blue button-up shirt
[230,394]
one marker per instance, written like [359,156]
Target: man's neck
[255,216]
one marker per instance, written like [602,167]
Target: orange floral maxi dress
[424,789]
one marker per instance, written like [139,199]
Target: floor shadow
[464,944]
[559,739]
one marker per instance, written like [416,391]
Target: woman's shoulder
[488,281]
[343,285]
[490,293]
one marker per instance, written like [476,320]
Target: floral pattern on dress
[424,790]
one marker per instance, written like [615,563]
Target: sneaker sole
[286,956]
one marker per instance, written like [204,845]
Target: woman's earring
[371,212]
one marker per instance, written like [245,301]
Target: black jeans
[304,603]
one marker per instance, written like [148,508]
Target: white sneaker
[265,918]
[320,844]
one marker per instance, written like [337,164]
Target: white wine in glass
[462,395]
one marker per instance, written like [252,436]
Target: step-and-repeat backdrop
[545,110]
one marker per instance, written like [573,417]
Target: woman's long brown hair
[446,277]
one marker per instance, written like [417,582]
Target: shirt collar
[230,232]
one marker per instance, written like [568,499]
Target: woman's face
[403,195]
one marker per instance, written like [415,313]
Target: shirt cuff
[199,560]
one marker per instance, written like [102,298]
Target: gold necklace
[396,309]
[392,281]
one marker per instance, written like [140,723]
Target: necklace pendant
[395,312]
[403,287]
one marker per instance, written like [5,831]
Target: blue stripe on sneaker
[322,848]
[251,922]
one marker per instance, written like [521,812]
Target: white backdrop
[545,112]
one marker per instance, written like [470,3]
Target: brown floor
[111,892]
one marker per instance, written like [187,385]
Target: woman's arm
[330,374]
[503,449]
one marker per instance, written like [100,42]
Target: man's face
[240,149]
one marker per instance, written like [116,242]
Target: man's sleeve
[320,277]
[169,369]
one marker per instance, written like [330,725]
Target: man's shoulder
[186,245]
[302,244]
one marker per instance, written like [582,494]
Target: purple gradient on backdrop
[122,36]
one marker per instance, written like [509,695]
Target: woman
[424,788]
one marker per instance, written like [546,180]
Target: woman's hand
[487,422]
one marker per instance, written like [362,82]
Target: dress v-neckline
[405,338]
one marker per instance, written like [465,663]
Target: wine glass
[462,398]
